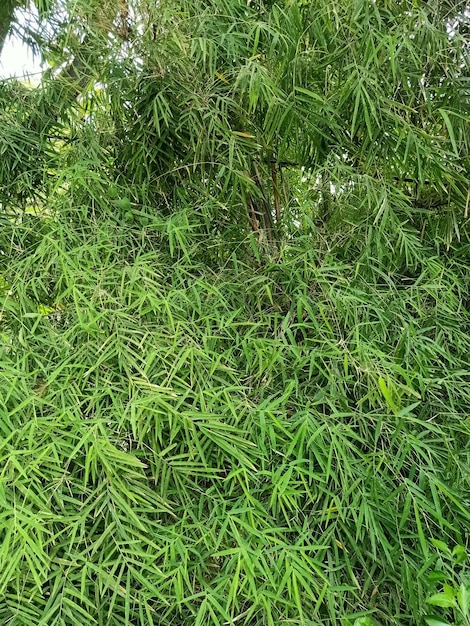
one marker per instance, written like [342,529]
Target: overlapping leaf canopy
[206,98]
[234,315]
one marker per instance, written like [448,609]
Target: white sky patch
[17,60]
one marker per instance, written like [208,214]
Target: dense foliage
[235,324]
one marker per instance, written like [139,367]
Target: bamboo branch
[277,205]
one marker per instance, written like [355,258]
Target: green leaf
[460,554]
[387,394]
[463,599]
[440,545]
[113,192]
[437,576]
[254,247]
[124,204]
[450,129]
[435,621]
[442,599]
[366,621]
